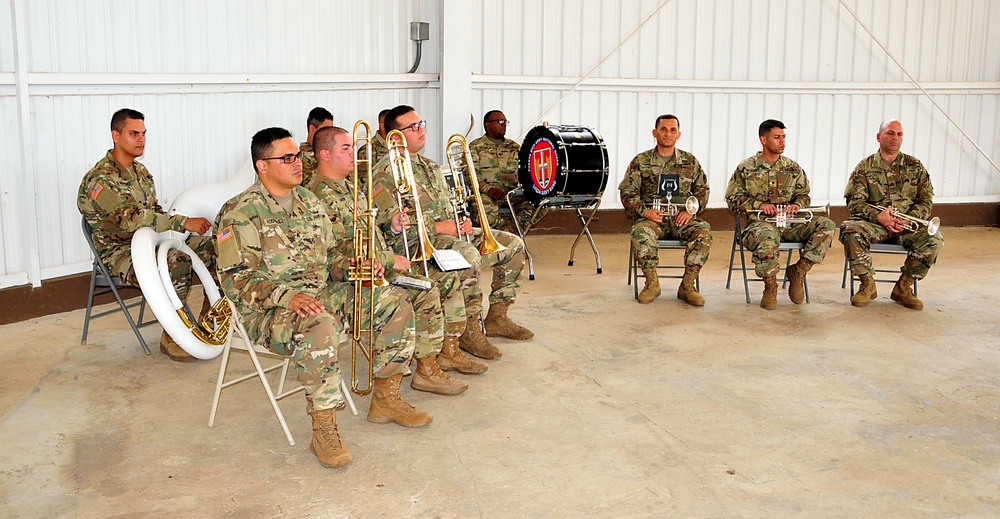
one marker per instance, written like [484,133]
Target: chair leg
[222,377]
[743,263]
[270,394]
[131,321]
[347,397]
[90,305]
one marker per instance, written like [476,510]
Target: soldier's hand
[466,227]
[653,215]
[496,193]
[791,209]
[377,268]
[447,227]
[769,209]
[305,305]
[402,263]
[197,225]
[401,221]
[891,222]
[682,218]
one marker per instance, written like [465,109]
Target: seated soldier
[117,197]
[279,263]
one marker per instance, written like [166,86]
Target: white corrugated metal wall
[209,74]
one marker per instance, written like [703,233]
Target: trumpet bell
[933,226]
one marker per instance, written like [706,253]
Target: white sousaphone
[203,340]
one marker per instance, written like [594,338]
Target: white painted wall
[209,74]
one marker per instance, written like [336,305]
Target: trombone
[459,197]
[913,223]
[361,272]
[803,215]
[460,157]
[406,189]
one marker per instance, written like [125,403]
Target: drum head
[561,161]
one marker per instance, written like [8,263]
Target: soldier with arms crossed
[680,171]
[279,262]
[763,182]
[895,181]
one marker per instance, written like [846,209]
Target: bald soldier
[898,183]
[117,197]
[279,262]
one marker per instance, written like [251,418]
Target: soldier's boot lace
[499,325]
[429,377]
[902,293]
[866,292]
[326,444]
[688,291]
[452,358]
[388,406]
[173,351]
[769,301]
[473,341]
[797,280]
[652,289]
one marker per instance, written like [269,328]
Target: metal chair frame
[785,246]
[102,282]
[635,273]
[579,203]
[877,248]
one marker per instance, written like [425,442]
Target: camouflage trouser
[858,235]
[696,235]
[763,238]
[472,295]
[178,264]
[449,286]
[311,340]
[429,319]
[507,265]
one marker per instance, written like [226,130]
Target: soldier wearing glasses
[495,158]
[117,197]
[443,231]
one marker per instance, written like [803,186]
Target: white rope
[594,69]
[919,86]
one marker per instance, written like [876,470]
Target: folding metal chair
[635,273]
[102,282]
[878,248]
[579,203]
[785,246]
[254,351]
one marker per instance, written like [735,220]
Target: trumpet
[459,157]
[803,215]
[406,189]
[362,270]
[670,210]
[913,223]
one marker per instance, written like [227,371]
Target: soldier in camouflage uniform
[378,142]
[117,197]
[895,181]
[763,182]
[335,153]
[495,158]
[279,263]
[640,188]
[442,231]
[319,117]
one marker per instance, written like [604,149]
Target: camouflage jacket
[338,200]
[309,162]
[904,184]
[496,163]
[435,197]
[267,256]
[378,150]
[639,187]
[756,182]
[117,201]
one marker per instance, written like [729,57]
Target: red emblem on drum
[543,165]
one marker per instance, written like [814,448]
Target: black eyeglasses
[289,158]
[500,121]
[415,126]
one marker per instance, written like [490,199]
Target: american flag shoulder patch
[224,234]
[376,190]
[96,190]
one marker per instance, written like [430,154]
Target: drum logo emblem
[543,166]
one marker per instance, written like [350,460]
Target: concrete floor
[613,409]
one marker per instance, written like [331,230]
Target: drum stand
[579,203]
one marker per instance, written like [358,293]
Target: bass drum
[562,161]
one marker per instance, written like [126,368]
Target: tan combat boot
[866,292]
[499,325]
[172,350]
[652,289]
[797,280]
[326,442]
[474,342]
[452,358]
[688,292]
[903,293]
[429,377]
[388,406]
[769,301]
